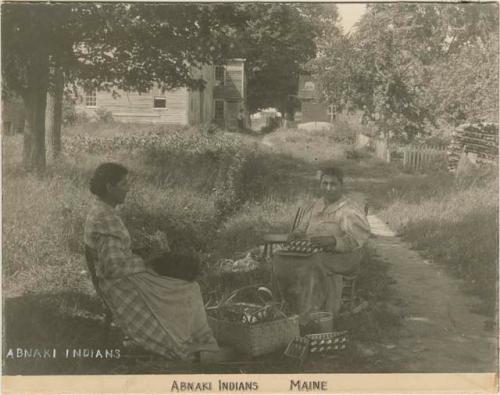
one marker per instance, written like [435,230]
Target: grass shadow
[47,321]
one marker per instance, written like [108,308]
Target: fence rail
[416,158]
[411,157]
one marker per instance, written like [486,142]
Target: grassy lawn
[454,224]
[215,194]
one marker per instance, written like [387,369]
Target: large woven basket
[257,339]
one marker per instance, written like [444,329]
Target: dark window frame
[220,74]
[91,98]
[157,99]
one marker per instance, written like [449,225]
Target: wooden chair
[273,239]
[348,295]
[91,259]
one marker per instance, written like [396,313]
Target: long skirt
[164,315]
[314,283]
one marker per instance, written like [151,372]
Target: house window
[219,74]
[219,110]
[309,86]
[91,98]
[160,102]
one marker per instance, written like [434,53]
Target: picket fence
[421,158]
[412,158]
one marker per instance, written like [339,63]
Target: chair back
[91,259]
[298,219]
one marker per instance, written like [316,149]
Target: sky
[350,14]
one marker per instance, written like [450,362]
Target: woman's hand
[327,242]
[296,236]
[154,255]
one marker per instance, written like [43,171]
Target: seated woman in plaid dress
[164,315]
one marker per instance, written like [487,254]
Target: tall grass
[455,225]
[315,146]
[101,128]
[192,187]
[218,195]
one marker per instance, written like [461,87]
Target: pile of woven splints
[478,138]
[255,308]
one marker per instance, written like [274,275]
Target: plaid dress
[163,315]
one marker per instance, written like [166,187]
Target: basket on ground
[257,339]
[327,342]
[317,344]
[258,330]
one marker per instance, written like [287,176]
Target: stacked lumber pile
[478,138]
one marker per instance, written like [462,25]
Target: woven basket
[257,339]
[327,342]
[253,339]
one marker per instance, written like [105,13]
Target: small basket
[300,248]
[254,339]
[301,348]
[327,343]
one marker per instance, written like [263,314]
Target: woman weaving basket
[163,314]
[327,244]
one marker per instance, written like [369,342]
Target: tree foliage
[131,46]
[135,46]
[401,66]
[464,86]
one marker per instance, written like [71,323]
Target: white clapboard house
[220,101]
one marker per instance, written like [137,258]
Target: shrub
[104,115]
[209,128]
[68,112]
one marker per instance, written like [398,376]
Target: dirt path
[439,332]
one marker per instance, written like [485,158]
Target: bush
[68,112]
[104,115]
[209,128]
[70,116]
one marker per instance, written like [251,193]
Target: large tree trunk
[54,113]
[35,101]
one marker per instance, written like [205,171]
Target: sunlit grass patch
[455,226]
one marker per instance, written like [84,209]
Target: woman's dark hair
[106,173]
[333,172]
